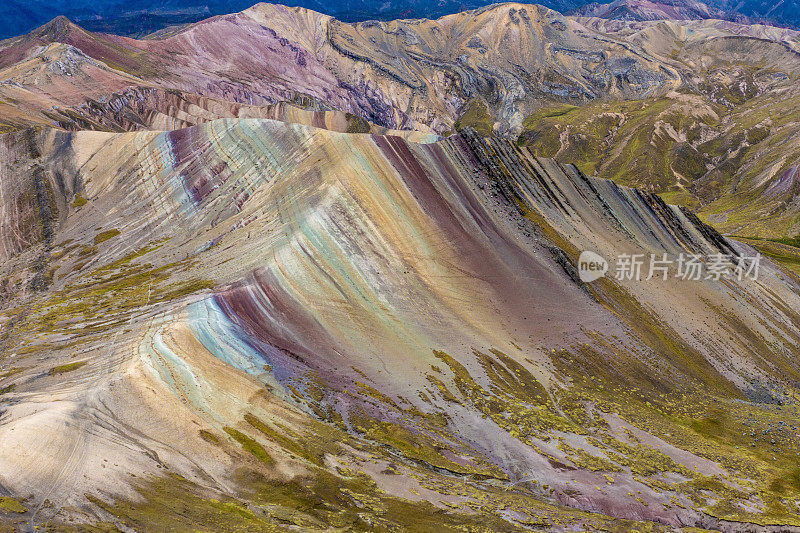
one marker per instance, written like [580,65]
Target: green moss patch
[63,369]
[11,505]
[105,235]
[79,201]
[282,438]
[251,445]
[476,115]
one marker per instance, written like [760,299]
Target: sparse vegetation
[68,367]
[105,235]
[250,444]
[476,116]
[79,201]
[11,505]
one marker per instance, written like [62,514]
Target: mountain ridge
[638,10]
[438,76]
[143,17]
[236,281]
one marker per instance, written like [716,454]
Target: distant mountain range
[641,10]
[774,13]
[142,17]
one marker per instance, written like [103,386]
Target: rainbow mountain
[289,303]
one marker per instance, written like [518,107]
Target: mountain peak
[55,30]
